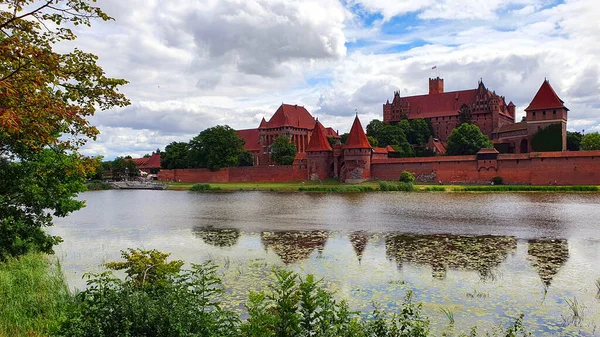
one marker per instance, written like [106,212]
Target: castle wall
[278,173]
[566,168]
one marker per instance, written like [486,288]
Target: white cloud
[196,64]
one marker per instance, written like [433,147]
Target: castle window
[534,114]
[544,112]
[554,112]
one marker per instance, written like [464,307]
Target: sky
[195,64]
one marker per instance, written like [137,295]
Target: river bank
[332,185]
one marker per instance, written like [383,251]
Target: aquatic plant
[449,314]
[576,312]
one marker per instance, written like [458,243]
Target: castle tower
[319,154]
[546,109]
[436,86]
[357,155]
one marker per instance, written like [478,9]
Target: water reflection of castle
[481,254]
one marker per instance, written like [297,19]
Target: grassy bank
[33,296]
[332,185]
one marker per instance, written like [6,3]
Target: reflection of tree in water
[294,246]
[443,252]
[219,237]
[547,256]
[359,243]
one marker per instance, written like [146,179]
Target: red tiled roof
[251,138]
[291,115]
[442,104]
[148,163]
[318,139]
[546,98]
[357,139]
[439,147]
[331,133]
[299,156]
[486,150]
[263,123]
[389,148]
[381,150]
[512,127]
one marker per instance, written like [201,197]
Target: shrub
[203,188]
[407,177]
[97,185]
[401,186]
[497,180]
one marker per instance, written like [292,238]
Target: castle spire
[318,139]
[263,123]
[357,139]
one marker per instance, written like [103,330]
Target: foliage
[408,323]
[404,150]
[203,187]
[175,156]
[400,186]
[407,177]
[245,158]
[171,303]
[466,139]
[373,141]
[216,148]
[344,137]
[97,185]
[34,295]
[146,266]
[497,180]
[591,141]
[574,140]
[283,151]
[332,141]
[374,127]
[547,139]
[464,115]
[122,169]
[47,99]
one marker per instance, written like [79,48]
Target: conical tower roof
[318,140]
[546,98]
[263,123]
[357,139]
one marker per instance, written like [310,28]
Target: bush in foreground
[203,188]
[401,186]
[158,298]
[407,177]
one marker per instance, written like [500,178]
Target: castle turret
[319,154]
[357,155]
[436,86]
[546,109]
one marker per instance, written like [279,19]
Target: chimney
[436,86]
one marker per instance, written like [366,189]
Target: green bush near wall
[547,139]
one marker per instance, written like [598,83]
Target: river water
[483,259]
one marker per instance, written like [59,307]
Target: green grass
[525,188]
[203,188]
[33,295]
[396,186]
[349,188]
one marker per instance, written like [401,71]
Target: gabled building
[149,165]
[293,121]
[489,111]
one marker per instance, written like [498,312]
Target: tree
[466,139]
[374,127]
[175,156]
[332,141]
[547,139]
[391,135]
[46,99]
[420,131]
[344,137]
[574,140]
[464,115]
[283,151]
[373,141]
[591,141]
[245,159]
[216,148]
[124,168]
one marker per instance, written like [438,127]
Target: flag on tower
[433,67]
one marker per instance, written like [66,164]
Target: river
[481,259]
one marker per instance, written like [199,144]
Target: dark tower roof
[546,98]
[357,138]
[318,140]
